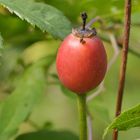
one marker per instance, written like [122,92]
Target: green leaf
[48,135]
[127,120]
[20,103]
[19,33]
[44,16]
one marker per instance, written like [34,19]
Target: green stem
[82,116]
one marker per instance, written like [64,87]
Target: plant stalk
[127,23]
[82,116]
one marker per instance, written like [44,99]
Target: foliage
[127,120]
[46,17]
[19,104]
[27,69]
[40,135]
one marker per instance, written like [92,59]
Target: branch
[124,61]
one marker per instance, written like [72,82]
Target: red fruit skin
[81,66]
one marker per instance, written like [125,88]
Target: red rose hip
[81,61]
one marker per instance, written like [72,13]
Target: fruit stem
[82,116]
[84,17]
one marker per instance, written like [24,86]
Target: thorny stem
[124,61]
[82,116]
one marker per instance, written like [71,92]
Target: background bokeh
[56,110]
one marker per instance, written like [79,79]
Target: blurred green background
[56,111]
